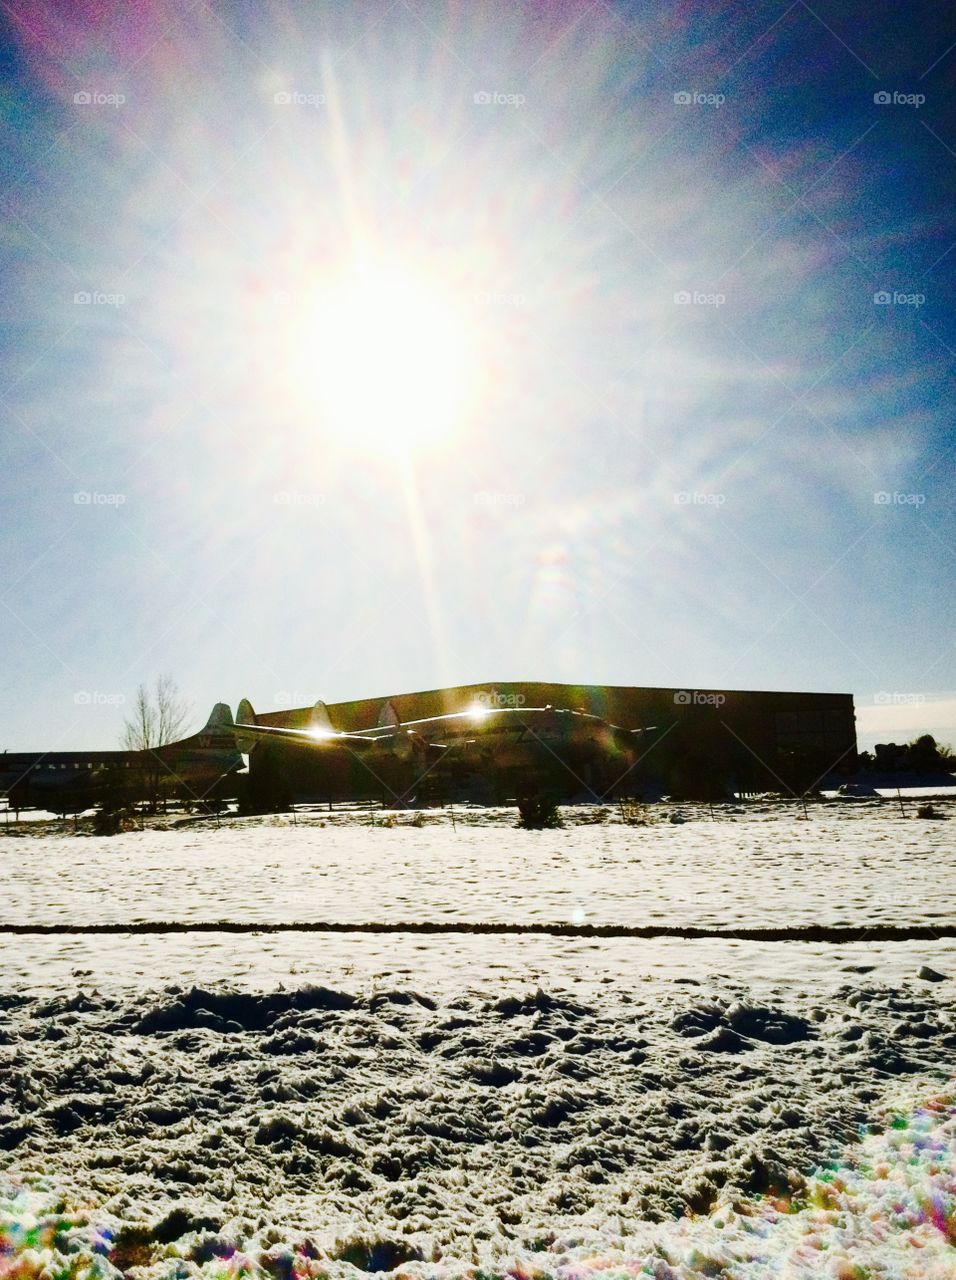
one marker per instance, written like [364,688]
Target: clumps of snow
[374,1254]
[538,1002]
[930,975]
[725,1027]
[490,1072]
[457,1124]
[886,1207]
[236,1011]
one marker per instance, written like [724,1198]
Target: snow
[761,864]
[326,1104]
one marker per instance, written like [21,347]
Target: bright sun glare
[385,359]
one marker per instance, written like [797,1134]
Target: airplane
[319,762]
[197,768]
[497,751]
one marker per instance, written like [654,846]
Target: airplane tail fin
[245,715]
[391,738]
[319,719]
[217,734]
[388,717]
[220,719]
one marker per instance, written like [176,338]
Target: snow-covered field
[847,863]
[312,1102]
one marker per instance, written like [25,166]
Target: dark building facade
[693,742]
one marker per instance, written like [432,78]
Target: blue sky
[703,263]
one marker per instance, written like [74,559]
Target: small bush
[536,812]
[110,822]
[595,818]
[635,815]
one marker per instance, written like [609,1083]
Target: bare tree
[158,717]
[139,729]
[172,710]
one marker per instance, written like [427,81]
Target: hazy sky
[630,403]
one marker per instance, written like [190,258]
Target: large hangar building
[745,740]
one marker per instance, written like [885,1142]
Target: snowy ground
[466,1099]
[856,862]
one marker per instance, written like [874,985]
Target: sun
[385,359]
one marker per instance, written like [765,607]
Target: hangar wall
[763,730]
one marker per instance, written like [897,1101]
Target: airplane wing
[318,732]
[436,731]
[313,737]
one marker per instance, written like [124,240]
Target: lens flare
[384,358]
